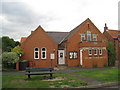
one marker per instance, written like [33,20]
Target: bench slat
[36,69]
[37,73]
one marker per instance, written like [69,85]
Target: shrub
[9,57]
[18,50]
[111,54]
[105,65]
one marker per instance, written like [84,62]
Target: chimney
[32,32]
[105,28]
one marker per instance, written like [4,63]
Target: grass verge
[37,81]
[103,75]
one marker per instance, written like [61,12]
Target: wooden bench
[39,71]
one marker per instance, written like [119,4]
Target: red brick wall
[73,44]
[119,48]
[92,60]
[39,39]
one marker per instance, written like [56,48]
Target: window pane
[36,49]
[94,37]
[71,55]
[36,54]
[89,35]
[75,55]
[61,55]
[82,37]
[43,49]
[90,52]
[95,52]
[100,51]
[43,55]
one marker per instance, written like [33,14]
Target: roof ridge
[56,32]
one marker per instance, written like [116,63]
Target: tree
[8,43]
[111,54]
[18,50]
[9,57]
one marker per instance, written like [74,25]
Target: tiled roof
[57,36]
[23,39]
[114,33]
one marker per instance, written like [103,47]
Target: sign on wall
[52,56]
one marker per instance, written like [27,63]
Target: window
[82,37]
[89,35]
[43,53]
[61,55]
[36,53]
[95,52]
[94,37]
[100,51]
[73,55]
[90,52]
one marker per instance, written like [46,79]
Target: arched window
[36,53]
[89,35]
[43,53]
[90,52]
[95,52]
[94,37]
[100,51]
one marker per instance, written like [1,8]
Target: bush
[9,57]
[111,54]
[18,50]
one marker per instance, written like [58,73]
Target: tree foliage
[8,43]
[9,57]
[18,50]
[111,54]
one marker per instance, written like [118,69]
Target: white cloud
[60,15]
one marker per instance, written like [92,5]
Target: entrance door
[81,57]
[61,57]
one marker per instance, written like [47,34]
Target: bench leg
[28,76]
[50,76]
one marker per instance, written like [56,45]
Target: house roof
[113,33]
[57,36]
[23,39]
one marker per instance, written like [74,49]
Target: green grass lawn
[103,75]
[37,81]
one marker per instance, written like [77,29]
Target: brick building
[113,36]
[85,45]
[119,47]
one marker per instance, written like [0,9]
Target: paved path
[90,81]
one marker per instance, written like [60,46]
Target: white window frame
[95,37]
[35,53]
[82,36]
[89,34]
[99,51]
[89,52]
[96,52]
[42,53]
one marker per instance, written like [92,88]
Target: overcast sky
[19,17]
